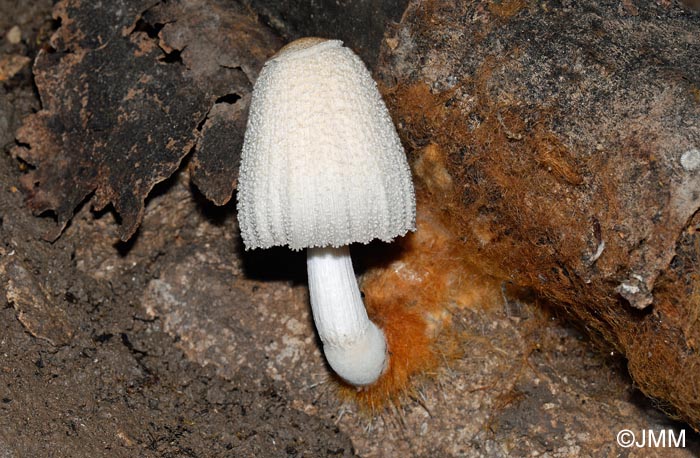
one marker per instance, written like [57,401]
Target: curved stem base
[354,346]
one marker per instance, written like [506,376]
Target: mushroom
[322,167]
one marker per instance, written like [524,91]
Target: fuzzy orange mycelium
[411,293]
[521,204]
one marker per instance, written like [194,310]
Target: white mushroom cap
[322,163]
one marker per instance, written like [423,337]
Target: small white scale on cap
[323,167]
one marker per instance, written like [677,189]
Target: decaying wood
[562,140]
[129,88]
[571,135]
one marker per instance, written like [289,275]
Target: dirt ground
[179,344]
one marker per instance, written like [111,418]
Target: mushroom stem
[354,346]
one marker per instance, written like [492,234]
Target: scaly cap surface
[322,163]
